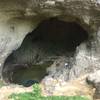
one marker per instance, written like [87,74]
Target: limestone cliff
[20,17]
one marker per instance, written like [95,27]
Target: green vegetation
[36,95]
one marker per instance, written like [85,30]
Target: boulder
[94,80]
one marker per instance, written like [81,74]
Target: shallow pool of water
[36,72]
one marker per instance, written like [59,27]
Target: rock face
[46,44]
[94,80]
[20,17]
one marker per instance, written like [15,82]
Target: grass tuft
[36,95]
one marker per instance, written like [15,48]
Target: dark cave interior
[67,34]
[52,37]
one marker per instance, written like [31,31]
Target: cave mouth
[39,49]
[53,31]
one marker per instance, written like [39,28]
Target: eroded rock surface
[94,80]
[20,17]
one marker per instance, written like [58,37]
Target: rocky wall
[18,18]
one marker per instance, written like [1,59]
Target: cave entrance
[51,39]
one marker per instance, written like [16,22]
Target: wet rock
[28,83]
